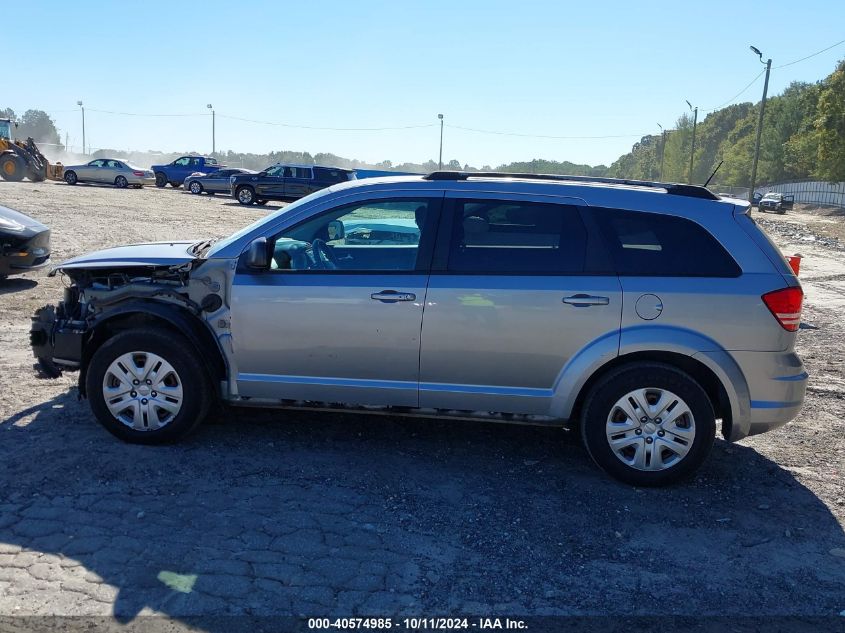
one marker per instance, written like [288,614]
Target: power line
[750,83]
[143,114]
[813,55]
[498,133]
[331,129]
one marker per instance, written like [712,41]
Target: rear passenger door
[518,288]
[299,183]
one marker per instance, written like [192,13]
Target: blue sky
[581,69]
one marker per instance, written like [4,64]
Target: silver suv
[640,312]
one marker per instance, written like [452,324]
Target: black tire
[261,203]
[70,177]
[175,185]
[12,167]
[196,385]
[195,188]
[161,180]
[121,183]
[245,195]
[38,175]
[609,389]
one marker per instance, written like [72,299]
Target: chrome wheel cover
[195,187]
[245,196]
[650,429]
[142,391]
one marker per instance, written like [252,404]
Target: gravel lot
[306,513]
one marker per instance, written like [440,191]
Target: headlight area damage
[103,299]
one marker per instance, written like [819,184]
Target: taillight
[140,174]
[785,305]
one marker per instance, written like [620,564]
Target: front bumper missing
[56,343]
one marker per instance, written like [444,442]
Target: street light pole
[213,139]
[440,162]
[759,124]
[662,150]
[79,103]
[692,148]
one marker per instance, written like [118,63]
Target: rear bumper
[141,180]
[777,382]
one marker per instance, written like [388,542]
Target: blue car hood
[152,254]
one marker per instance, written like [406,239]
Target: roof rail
[690,191]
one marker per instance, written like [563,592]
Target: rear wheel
[245,195]
[148,386]
[70,177]
[161,180]
[120,182]
[12,167]
[196,188]
[175,185]
[648,424]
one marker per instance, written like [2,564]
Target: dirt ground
[307,513]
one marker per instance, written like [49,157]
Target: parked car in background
[24,243]
[286,182]
[777,202]
[592,303]
[176,172]
[110,171]
[755,200]
[215,182]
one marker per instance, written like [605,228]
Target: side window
[276,171]
[379,235]
[287,172]
[196,162]
[95,163]
[113,164]
[657,245]
[210,161]
[182,162]
[301,172]
[495,236]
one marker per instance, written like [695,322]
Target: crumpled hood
[12,220]
[133,255]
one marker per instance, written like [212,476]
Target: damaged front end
[130,286]
[59,334]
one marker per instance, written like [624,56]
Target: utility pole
[759,124]
[213,139]
[440,162]
[692,148]
[662,150]
[79,103]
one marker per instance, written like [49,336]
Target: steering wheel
[324,258]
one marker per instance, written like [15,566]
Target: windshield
[267,219]
[6,130]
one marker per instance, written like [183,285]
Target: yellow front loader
[23,159]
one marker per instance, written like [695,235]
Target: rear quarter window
[657,245]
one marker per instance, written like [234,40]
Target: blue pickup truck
[176,172]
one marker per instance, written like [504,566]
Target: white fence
[812,192]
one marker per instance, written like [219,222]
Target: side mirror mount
[258,254]
[336,230]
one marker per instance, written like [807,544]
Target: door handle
[583,301]
[391,296]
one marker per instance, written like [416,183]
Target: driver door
[335,322]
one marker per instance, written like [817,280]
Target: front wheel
[161,180]
[70,177]
[245,195]
[648,424]
[148,386]
[121,183]
[196,188]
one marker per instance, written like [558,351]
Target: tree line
[803,137]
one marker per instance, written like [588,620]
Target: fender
[195,329]
[668,338]
[654,338]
